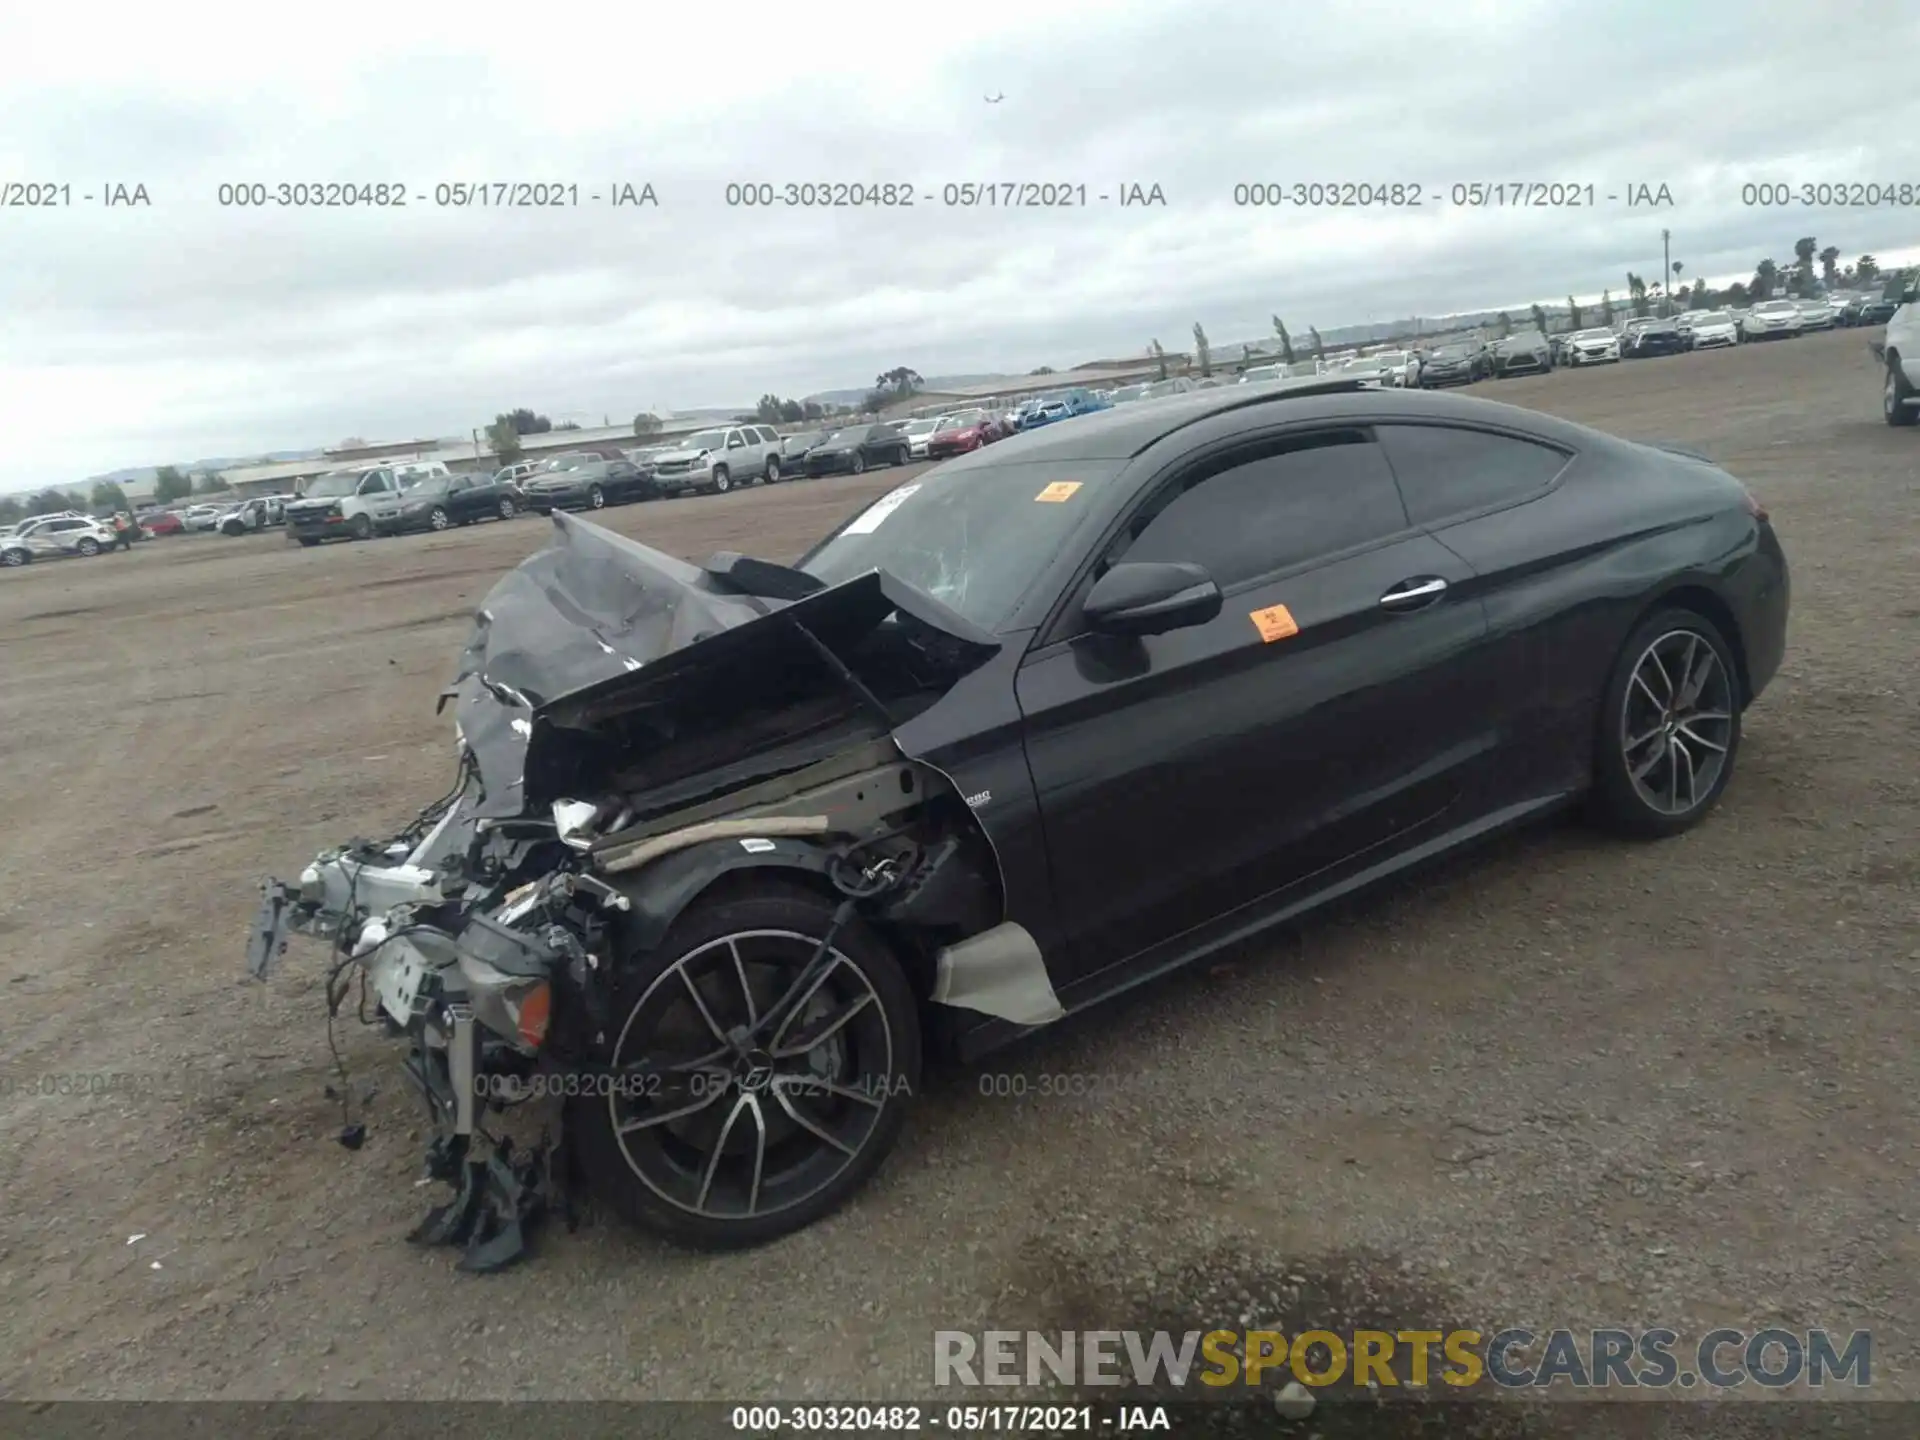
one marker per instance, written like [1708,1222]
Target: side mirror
[1151,598]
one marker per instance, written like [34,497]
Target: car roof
[1124,431]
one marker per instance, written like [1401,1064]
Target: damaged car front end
[686,902]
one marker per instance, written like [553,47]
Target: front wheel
[507,508]
[722,481]
[859,463]
[88,547]
[773,471]
[772,1089]
[308,540]
[1669,727]
[1898,392]
[14,558]
[361,527]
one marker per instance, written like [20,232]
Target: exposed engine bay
[647,747]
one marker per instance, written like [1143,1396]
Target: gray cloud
[141,336]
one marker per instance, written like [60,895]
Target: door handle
[1415,594]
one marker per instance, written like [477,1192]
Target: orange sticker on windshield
[1056,492]
[1276,622]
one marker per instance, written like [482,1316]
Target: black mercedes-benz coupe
[734,846]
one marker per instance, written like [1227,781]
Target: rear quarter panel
[1565,578]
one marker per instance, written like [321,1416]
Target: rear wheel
[1896,394]
[596,497]
[770,1094]
[1669,727]
[88,547]
[859,466]
[507,508]
[308,540]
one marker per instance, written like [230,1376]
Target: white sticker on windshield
[871,518]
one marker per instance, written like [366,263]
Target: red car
[164,523]
[958,434]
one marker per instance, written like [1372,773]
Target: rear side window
[1446,471]
[1285,505]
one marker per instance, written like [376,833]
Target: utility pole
[1666,269]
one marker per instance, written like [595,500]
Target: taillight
[1752,502]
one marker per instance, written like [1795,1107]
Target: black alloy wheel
[759,1090]
[1669,727]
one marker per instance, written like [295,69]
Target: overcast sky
[133,336]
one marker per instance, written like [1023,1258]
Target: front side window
[1248,516]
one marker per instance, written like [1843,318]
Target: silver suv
[719,459]
[54,536]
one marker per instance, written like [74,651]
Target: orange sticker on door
[1058,491]
[1276,622]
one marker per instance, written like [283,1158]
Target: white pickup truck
[1899,352]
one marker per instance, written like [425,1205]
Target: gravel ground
[1563,1081]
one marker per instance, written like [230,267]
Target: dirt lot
[1563,1082]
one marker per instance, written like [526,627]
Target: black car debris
[857,449]
[735,851]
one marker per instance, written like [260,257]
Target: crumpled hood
[591,606]
[558,634]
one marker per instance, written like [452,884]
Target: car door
[463,498]
[1325,713]
[379,496]
[622,479]
[1487,495]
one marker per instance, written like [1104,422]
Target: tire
[902,456]
[15,558]
[722,481]
[859,464]
[596,498]
[772,476]
[1895,395]
[652,1175]
[507,508]
[438,519]
[1630,738]
[88,547]
[308,540]
[360,527]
